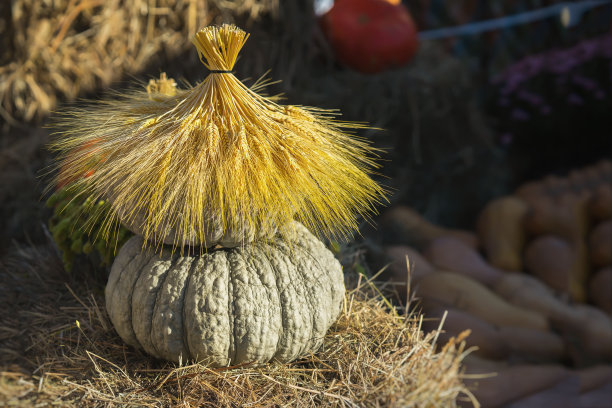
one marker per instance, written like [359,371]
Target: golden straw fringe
[218,150]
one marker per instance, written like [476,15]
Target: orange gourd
[600,205]
[512,383]
[500,229]
[600,245]
[555,262]
[587,328]
[397,272]
[460,292]
[483,335]
[600,289]
[506,342]
[451,254]
[403,225]
[594,377]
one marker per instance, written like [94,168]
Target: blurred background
[495,117]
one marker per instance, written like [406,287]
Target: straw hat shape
[217,162]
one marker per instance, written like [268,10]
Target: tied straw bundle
[183,159]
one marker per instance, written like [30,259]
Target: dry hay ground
[58,347]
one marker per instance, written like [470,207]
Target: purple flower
[506,139]
[520,115]
[504,102]
[574,99]
[585,83]
[533,99]
[545,110]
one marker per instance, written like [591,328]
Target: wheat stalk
[220,150]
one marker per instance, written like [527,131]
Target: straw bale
[55,50]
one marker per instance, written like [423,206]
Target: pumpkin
[530,293]
[565,216]
[251,304]
[598,397]
[533,345]
[589,331]
[555,185]
[533,190]
[475,362]
[370,36]
[604,168]
[170,232]
[501,232]
[563,394]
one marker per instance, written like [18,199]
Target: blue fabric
[575,10]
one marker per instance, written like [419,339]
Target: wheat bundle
[218,153]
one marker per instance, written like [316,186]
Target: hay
[54,50]
[58,347]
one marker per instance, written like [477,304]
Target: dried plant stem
[70,17]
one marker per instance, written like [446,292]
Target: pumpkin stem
[218,47]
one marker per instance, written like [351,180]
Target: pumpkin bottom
[251,304]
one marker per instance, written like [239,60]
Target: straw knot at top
[218,47]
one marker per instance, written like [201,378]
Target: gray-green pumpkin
[236,233]
[255,303]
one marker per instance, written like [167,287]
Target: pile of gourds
[536,299]
[559,230]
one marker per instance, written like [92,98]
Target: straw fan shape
[217,162]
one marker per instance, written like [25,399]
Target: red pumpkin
[370,35]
